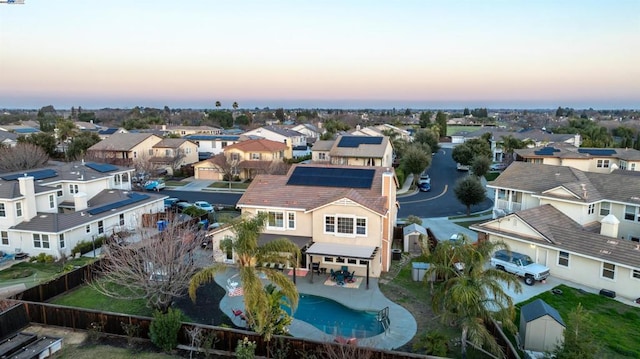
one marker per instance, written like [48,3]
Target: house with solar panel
[354,151]
[602,160]
[49,210]
[106,132]
[338,215]
[584,226]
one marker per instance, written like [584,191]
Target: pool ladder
[383,318]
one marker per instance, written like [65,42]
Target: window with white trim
[563,259]
[608,270]
[291,220]
[322,156]
[345,225]
[52,201]
[87,228]
[605,208]
[235,156]
[3,212]
[121,218]
[275,220]
[255,156]
[591,208]
[631,213]
[73,188]
[116,179]
[41,240]
[59,193]
[100,227]
[602,164]
[18,209]
[635,274]
[4,235]
[61,240]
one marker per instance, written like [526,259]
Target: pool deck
[402,328]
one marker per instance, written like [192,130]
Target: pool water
[334,318]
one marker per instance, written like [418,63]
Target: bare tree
[23,156]
[157,269]
[226,165]
[176,161]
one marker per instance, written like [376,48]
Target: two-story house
[50,209]
[355,151]
[338,215]
[211,145]
[585,226]
[190,130]
[171,154]
[293,139]
[603,160]
[244,159]
[124,149]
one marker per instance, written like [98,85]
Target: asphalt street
[440,201]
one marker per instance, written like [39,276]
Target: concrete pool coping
[402,328]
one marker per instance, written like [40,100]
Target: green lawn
[34,273]
[87,297]
[490,176]
[234,185]
[176,183]
[454,129]
[613,323]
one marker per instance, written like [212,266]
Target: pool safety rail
[383,318]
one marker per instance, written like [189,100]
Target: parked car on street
[424,187]
[170,203]
[181,206]
[155,185]
[462,167]
[497,166]
[424,178]
[204,205]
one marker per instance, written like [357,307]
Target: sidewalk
[406,186]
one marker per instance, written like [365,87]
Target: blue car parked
[424,187]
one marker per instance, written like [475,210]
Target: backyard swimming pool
[336,319]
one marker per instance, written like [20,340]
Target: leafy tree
[222,118]
[469,191]
[470,294]
[466,112]
[80,143]
[480,166]
[280,114]
[23,156]
[425,119]
[258,308]
[427,137]
[463,154]
[579,342]
[87,116]
[44,140]
[413,219]
[559,112]
[407,112]
[441,121]
[65,130]
[415,160]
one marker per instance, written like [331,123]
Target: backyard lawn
[614,324]
[33,273]
[87,297]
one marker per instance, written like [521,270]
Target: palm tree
[258,308]
[235,106]
[218,104]
[469,295]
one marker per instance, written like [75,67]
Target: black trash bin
[396,254]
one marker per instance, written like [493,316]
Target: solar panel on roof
[546,151]
[332,177]
[37,175]
[101,167]
[597,151]
[133,198]
[356,141]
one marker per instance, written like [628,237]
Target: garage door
[205,173]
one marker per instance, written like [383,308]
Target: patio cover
[342,250]
[300,241]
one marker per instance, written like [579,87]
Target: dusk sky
[320,54]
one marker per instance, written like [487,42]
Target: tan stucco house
[354,151]
[173,153]
[602,160]
[124,149]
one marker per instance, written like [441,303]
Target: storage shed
[413,235]
[541,327]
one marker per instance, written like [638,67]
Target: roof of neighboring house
[561,232]
[82,125]
[4,135]
[212,137]
[170,143]
[274,191]
[628,154]
[120,142]
[323,145]
[360,146]
[412,228]
[582,186]
[261,145]
[108,131]
[539,308]
[58,222]
[280,130]
[527,134]
[193,128]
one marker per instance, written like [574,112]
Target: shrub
[43,258]
[401,176]
[246,349]
[164,328]
[87,246]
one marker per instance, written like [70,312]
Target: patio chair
[332,274]
[349,277]
[340,278]
[345,269]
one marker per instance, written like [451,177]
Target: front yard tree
[579,342]
[480,166]
[23,156]
[415,159]
[462,154]
[44,140]
[469,191]
[471,295]
[244,244]
[428,137]
[80,143]
[157,270]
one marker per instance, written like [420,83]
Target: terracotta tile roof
[273,191]
[561,232]
[261,145]
[588,187]
[120,142]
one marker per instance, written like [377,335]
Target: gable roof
[539,308]
[261,145]
[561,232]
[588,187]
[283,130]
[412,228]
[273,191]
[323,145]
[170,143]
[121,142]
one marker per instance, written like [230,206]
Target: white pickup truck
[520,265]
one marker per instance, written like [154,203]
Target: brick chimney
[609,226]
[28,190]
